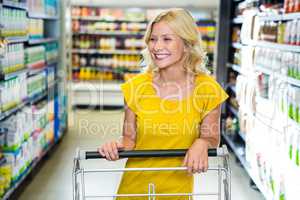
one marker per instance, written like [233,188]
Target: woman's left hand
[196,158]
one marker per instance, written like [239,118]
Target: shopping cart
[79,173]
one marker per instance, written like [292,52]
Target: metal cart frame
[79,173]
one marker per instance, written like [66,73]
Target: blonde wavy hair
[183,24]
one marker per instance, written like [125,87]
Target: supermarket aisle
[89,129]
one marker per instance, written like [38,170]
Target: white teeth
[161,56]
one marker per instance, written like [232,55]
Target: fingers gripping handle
[152,153]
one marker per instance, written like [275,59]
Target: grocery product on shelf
[285,63]
[36,84]
[51,52]
[13,22]
[29,132]
[35,57]
[13,58]
[106,42]
[108,14]
[46,7]
[207,30]
[265,54]
[236,34]
[291,6]
[36,28]
[280,32]
[28,63]
[13,92]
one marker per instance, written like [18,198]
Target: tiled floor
[90,129]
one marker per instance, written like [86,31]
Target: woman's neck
[173,75]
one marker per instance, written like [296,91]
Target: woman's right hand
[110,150]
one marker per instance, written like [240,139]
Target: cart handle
[154,153]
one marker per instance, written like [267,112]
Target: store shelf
[12,111]
[96,18]
[42,41]
[287,79]
[110,33]
[13,4]
[293,81]
[11,40]
[4,77]
[242,135]
[107,52]
[27,172]
[37,97]
[97,86]
[51,63]
[238,20]
[42,16]
[52,84]
[233,110]
[279,17]
[32,100]
[96,93]
[107,69]
[32,72]
[237,45]
[235,67]
[264,70]
[238,149]
[272,45]
[231,87]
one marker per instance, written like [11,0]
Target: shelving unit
[284,78]
[93,74]
[42,41]
[110,33]
[107,52]
[107,47]
[238,20]
[245,165]
[5,77]
[279,17]
[14,4]
[42,16]
[237,45]
[260,115]
[53,92]
[101,19]
[11,40]
[27,172]
[282,47]
[235,67]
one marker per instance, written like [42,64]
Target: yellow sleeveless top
[165,124]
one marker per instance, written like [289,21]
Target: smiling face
[166,48]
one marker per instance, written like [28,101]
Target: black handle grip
[148,153]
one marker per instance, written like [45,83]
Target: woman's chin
[161,66]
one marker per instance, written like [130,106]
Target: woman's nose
[158,45]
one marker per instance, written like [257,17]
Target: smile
[161,56]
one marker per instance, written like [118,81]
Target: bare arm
[110,149]
[210,128]
[129,129]
[196,158]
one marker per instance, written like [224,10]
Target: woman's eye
[152,39]
[167,39]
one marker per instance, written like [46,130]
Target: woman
[174,105]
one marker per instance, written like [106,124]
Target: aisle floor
[89,129]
